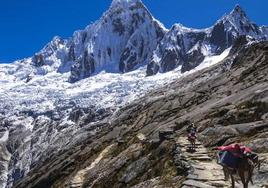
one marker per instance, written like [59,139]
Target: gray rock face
[260,145]
[83,68]
[5,156]
[165,134]
[135,169]
[193,59]
[38,60]
[187,47]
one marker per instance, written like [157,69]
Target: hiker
[192,133]
[236,159]
[191,127]
[191,130]
[230,155]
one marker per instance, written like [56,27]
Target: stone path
[205,172]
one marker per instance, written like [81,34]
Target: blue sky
[27,25]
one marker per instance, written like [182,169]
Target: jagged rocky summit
[186,47]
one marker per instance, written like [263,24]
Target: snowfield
[104,90]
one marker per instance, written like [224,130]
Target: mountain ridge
[84,55]
[187,48]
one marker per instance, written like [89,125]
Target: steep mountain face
[121,40]
[55,50]
[187,47]
[177,48]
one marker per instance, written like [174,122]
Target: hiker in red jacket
[236,149]
[230,155]
[240,160]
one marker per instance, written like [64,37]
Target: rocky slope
[187,47]
[136,146]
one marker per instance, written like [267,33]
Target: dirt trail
[79,179]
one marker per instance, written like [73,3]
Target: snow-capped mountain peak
[238,23]
[56,44]
[125,3]
[188,47]
[121,40]
[128,36]
[238,11]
